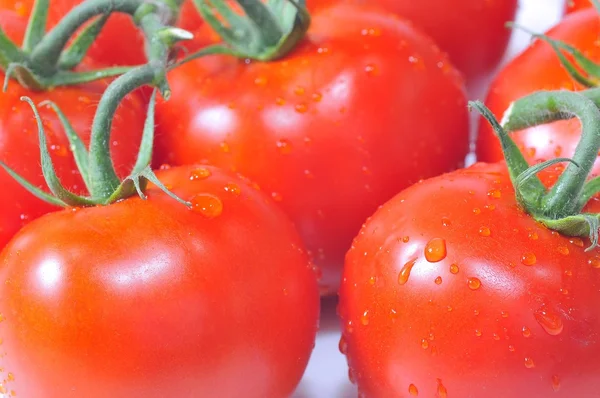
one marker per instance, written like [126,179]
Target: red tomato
[450,289]
[538,68]
[19,147]
[189,18]
[330,131]
[472,32]
[109,48]
[147,296]
[576,5]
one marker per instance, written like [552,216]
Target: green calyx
[560,206]
[262,30]
[46,59]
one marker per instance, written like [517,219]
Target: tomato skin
[331,131]
[142,297]
[576,5]
[525,75]
[19,146]
[468,321]
[472,32]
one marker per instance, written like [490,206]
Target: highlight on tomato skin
[507,308]
[330,131]
[577,5]
[146,296]
[523,75]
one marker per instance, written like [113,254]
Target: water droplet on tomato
[233,189]
[435,250]
[504,314]
[405,239]
[364,319]
[343,345]
[301,108]
[438,280]
[208,205]
[484,231]
[496,336]
[529,364]
[526,331]
[371,70]
[528,259]
[511,348]
[2,318]
[317,97]
[555,383]
[200,174]
[594,262]
[576,241]
[449,308]
[164,166]
[412,390]
[284,146]
[564,250]
[478,333]
[477,211]
[405,271]
[442,392]
[446,222]
[299,90]
[549,320]
[495,193]
[474,283]
[351,376]
[532,235]
[10,377]
[454,269]
[224,147]
[424,344]
[276,196]
[279,101]
[475,312]
[261,81]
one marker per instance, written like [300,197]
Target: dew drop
[208,205]
[299,90]
[301,108]
[594,262]
[200,173]
[555,383]
[438,280]
[528,259]
[435,250]
[526,331]
[412,390]
[442,392]
[533,235]
[279,101]
[371,69]
[233,189]
[511,348]
[446,222]
[476,211]
[317,97]
[405,271]
[454,269]
[504,314]
[568,272]
[564,250]
[484,231]
[225,147]
[284,146]
[576,241]
[550,321]
[343,345]
[478,333]
[495,193]
[10,376]
[276,196]
[529,364]
[424,344]
[405,239]
[364,319]
[261,81]
[449,308]
[474,283]
[496,336]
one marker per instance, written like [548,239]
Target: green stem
[563,198]
[36,26]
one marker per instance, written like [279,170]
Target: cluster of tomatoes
[316,173]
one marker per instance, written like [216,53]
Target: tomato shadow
[329,319]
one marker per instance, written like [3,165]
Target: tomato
[331,131]
[472,32]
[147,296]
[576,5]
[189,18]
[538,68]
[19,147]
[451,289]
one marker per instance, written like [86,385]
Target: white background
[327,373]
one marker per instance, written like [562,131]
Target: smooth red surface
[509,311]
[538,68]
[472,32]
[19,147]
[576,5]
[144,298]
[362,108]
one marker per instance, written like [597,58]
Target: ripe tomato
[576,5]
[147,296]
[360,109]
[450,289]
[19,147]
[472,32]
[538,68]
[109,48]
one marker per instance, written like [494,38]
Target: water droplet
[224,147]
[412,390]
[529,363]
[484,231]
[496,336]
[477,211]
[208,205]
[474,283]
[284,146]
[528,259]
[490,207]
[371,69]
[164,166]
[438,280]
[504,314]
[299,90]
[301,108]
[317,97]
[343,345]
[279,101]
[10,376]
[261,81]
[2,318]
[449,308]
[364,319]
[233,189]
[475,312]
[442,392]
[435,250]
[405,239]
[424,344]
[200,173]
[555,383]
[526,331]
[576,241]
[511,348]
[478,333]
[550,321]
[532,235]
[375,32]
[351,376]
[446,222]
[564,291]
[405,271]
[454,269]
[594,262]
[495,193]
[276,196]
[564,250]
